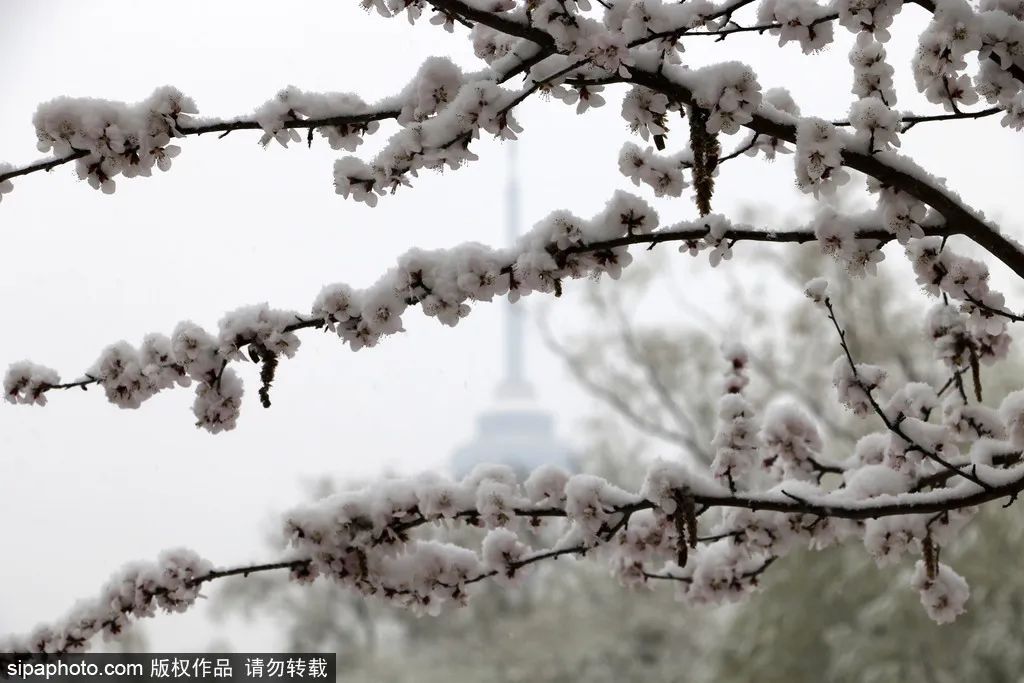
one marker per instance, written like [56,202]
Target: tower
[514,384]
[515,431]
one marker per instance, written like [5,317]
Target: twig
[892,425]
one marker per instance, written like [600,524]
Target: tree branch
[892,425]
[959,219]
[560,256]
[911,120]
[224,127]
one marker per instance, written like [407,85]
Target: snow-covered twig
[442,283]
[363,540]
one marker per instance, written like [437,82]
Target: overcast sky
[85,486]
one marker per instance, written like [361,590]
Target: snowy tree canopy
[907,489]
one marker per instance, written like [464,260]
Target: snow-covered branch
[109,138]
[887,169]
[442,283]
[568,47]
[364,539]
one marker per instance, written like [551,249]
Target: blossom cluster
[996,33]
[982,316]
[491,45]
[943,595]
[27,382]
[868,18]
[799,21]
[854,385]
[277,117]
[663,173]
[941,59]
[551,78]
[736,442]
[876,125]
[903,215]
[819,160]
[1002,48]
[838,237]
[116,138]
[437,142]
[638,21]
[645,111]
[792,443]
[872,75]
[729,91]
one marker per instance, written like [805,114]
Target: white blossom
[943,596]
[27,382]
[819,161]
[798,21]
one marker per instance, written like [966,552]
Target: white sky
[84,486]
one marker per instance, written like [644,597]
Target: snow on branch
[442,283]
[109,139]
[713,542]
[567,52]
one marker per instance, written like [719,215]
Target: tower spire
[516,431]
[515,384]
